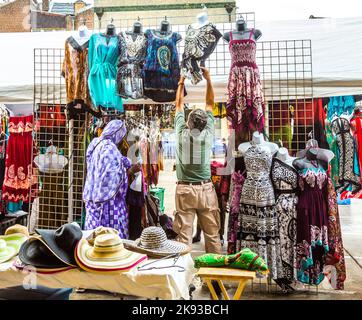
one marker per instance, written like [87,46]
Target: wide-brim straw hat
[10,244]
[155,244]
[106,255]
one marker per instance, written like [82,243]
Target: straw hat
[17,228]
[106,255]
[11,242]
[98,231]
[155,244]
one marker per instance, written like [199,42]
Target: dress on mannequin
[285,181]
[356,125]
[245,103]
[257,219]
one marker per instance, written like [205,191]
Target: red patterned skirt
[18,176]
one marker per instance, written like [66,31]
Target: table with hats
[150,267]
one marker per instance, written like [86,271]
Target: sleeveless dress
[346,150]
[312,227]
[161,70]
[258,219]
[103,53]
[285,181]
[133,54]
[245,103]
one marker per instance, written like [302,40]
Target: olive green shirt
[193,151]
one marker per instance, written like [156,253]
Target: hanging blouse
[75,71]
[102,59]
[133,54]
[161,70]
[199,45]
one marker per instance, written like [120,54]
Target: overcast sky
[266,10]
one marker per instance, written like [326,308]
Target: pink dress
[245,105]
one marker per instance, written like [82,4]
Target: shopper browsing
[195,193]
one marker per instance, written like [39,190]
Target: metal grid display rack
[286,72]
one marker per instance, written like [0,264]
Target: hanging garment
[334,163]
[236,185]
[356,123]
[199,45]
[245,103]
[285,181]
[133,54]
[161,70]
[18,176]
[312,226]
[258,219]
[75,71]
[102,59]
[107,182]
[346,151]
[340,105]
[335,258]
[3,139]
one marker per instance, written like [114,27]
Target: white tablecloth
[164,284]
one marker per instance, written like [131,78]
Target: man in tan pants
[195,193]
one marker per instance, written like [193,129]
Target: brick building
[33,15]
[177,11]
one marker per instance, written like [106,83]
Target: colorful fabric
[106,167]
[339,105]
[245,260]
[245,103]
[18,176]
[334,164]
[312,226]
[102,59]
[161,70]
[356,124]
[335,257]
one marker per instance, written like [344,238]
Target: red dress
[356,123]
[18,177]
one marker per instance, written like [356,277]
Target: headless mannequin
[111,30]
[310,161]
[165,30]
[136,31]
[284,156]
[258,139]
[242,32]
[82,36]
[202,20]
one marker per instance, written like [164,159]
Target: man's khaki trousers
[200,200]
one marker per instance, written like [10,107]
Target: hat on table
[106,255]
[98,231]
[35,253]
[62,242]
[11,242]
[155,244]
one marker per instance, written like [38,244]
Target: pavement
[351,221]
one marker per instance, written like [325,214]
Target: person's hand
[134,168]
[206,73]
[182,80]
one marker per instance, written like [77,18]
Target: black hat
[62,242]
[34,253]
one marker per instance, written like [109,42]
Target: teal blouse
[103,53]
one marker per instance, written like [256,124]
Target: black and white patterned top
[258,188]
[284,177]
[199,45]
[131,60]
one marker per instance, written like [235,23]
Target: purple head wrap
[106,167]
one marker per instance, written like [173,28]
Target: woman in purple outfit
[106,182]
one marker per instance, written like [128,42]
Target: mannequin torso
[258,139]
[284,156]
[165,30]
[202,20]
[310,161]
[242,32]
[82,36]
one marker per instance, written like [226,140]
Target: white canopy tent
[336,52]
